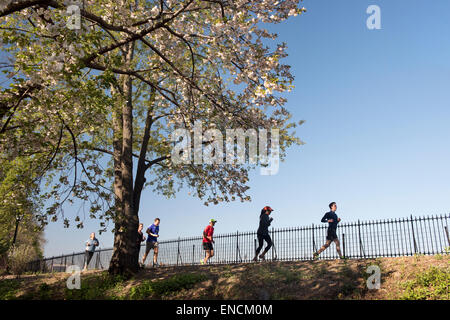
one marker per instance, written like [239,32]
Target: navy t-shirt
[328,216]
[155,230]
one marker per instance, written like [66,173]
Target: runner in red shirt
[208,241]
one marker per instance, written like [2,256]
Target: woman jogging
[90,248]
[140,238]
[263,232]
[333,220]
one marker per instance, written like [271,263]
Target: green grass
[321,270]
[433,284]
[227,272]
[160,288]
[96,287]
[9,288]
[349,279]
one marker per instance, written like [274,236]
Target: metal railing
[362,239]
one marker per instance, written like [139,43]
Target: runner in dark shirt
[333,220]
[140,238]
[263,232]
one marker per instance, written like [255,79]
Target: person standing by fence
[208,241]
[140,237]
[152,242]
[333,220]
[90,249]
[263,232]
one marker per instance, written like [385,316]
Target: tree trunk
[125,254]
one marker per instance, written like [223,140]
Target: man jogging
[152,242]
[208,241]
[90,248]
[333,220]
[263,232]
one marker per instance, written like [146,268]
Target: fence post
[343,244]
[52,265]
[361,250]
[237,246]
[178,250]
[414,237]
[193,253]
[313,239]
[96,260]
[273,246]
[100,259]
[448,237]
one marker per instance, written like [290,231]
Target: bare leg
[144,257]
[155,255]
[208,255]
[326,245]
[211,254]
[338,247]
[147,251]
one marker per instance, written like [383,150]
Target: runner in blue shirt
[333,220]
[90,249]
[152,242]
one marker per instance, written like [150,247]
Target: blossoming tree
[94,91]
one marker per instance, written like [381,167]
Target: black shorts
[149,245]
[207,246]
[331,234]
[88,256]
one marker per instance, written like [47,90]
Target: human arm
[265,221]
[326,218]
[150,233]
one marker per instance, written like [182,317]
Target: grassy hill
[418,277]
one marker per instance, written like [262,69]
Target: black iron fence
[361,239]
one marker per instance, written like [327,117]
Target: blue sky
[376,105]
